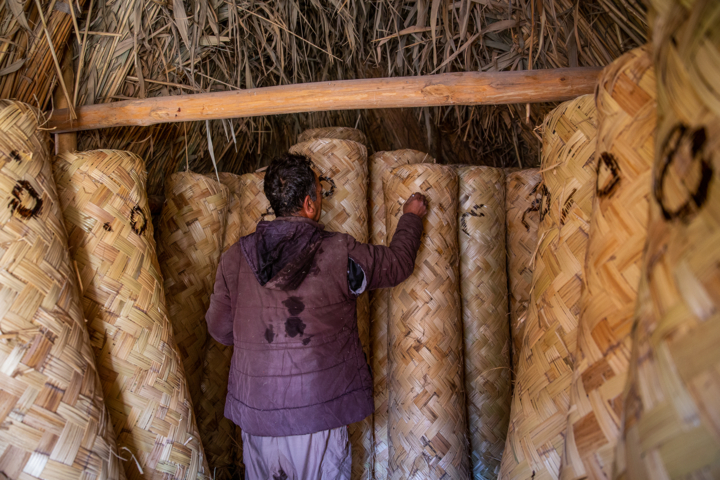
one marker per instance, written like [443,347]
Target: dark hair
[288,180]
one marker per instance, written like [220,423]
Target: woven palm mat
[216,431]
[339,133]
[380,165]
[486,333]
[107,215]
[542,390]
[192,227]
[626,106]
[54,419]
[254,206]
[522,200]
[427,417]
[672,424]
[344,163]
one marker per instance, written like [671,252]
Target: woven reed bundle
[380,165]
[192,227]
[111,239]
[54,420]
[427,416]
[339,133]
[232,225]
[538,418]
[672,426]
[344,163]
[254,206]
[626,107]
[522,201]
[483,288]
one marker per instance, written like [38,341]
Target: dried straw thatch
[672,406]
[483,288]
[522,203]
[542,390]
[342,165]
[626,107]
[55,423]
[425,368]
[111,240]
[340,133]
[380,165]
[192,228]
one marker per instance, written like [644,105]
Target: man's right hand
[417,204]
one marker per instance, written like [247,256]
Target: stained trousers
[322,455]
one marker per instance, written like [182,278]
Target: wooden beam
[470,88]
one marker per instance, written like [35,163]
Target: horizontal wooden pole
[469,88]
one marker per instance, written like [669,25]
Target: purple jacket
[282,299]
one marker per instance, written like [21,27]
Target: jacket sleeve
[219,316]
[389,266]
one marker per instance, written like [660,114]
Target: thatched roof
[144,48]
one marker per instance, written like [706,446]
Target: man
[285,297]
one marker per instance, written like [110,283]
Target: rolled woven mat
[343,166]
[253,203]
[483,289]
[217,432]
[339,133]
[54,419]
[538,418]
[522,203]
[672,406]
[626,106]
[192,227]
[104,201]
[380,165]
[427,417]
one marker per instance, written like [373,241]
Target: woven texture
[106,212]
[626,107]
[522,201]
[483,288]
[253,203]
[54,420]
[380,165]
[339,133]
[216,431]
[542,389]
[192,229]
[672,407]
[427,416]
[344,163]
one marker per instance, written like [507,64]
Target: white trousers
[318,456]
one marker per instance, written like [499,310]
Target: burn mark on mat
[15,156]
[294,305]
[294,326]
[25,202]
[325,192]
[534,205]
[608,175]
[685,151]
[107,227]
[569,202]
[269,334]
[545,201]
[138,220]
[473,212]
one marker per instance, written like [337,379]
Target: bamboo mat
[427,416]
[253,204]
[626,106]
[106,212]
[339,133]
[380,165]
[483,288]
[522,201]
[672,406]
[342,165]
[192,229]
[54,420]
[538,418]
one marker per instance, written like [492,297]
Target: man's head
[293,188]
